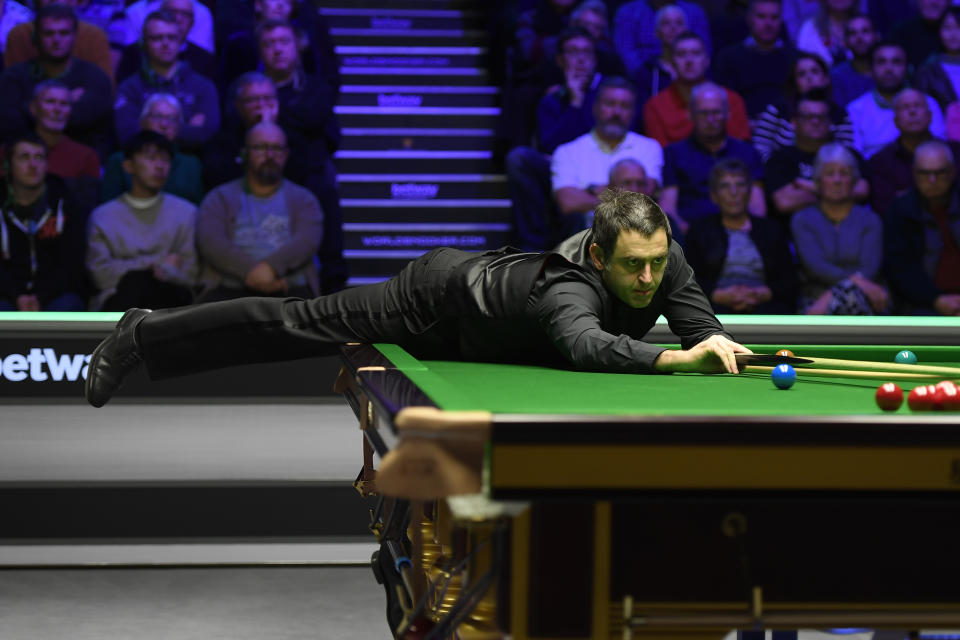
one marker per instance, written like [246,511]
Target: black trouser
[406,310]
[142,289]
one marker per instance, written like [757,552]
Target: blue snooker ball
[906,357]
[783,375]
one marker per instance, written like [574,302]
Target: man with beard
[852,78]
[257,235]
[872,114]
[580,169]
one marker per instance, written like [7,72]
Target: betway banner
[54,364]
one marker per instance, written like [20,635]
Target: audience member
[891,168]
[564,114]
[91,116]
[686,191]
[796,13]
[823,33]
[140,248]
[756,67]
[41,234]
[939,75]
[90,42]
[50,112]
[657,72]
[254,101]
[743,263]
[774,127]
[628,174]
[634,30]
[839,243]
[872,113]
[590,17]
[851,78]
[259,235]
[199,59]
[200,34]
[165,72]
[788,173]
[922,232]
[239,54]
[161,114]
[666,116]
[12,13]
[306,114]
[581,169]
[919,35]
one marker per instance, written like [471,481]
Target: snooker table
[543,504]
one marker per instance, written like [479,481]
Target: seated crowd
[805,151]
[155,157]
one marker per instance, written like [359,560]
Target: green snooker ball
[906,357]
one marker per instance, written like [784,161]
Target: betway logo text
[41,365]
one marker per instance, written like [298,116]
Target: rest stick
[921,378]
[889,367]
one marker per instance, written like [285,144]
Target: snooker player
[585,306]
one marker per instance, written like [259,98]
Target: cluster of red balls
[943,396]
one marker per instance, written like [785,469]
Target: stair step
[412,99]
[442,186]
[416,143]
[402,19]
[408,37]
[423,76]
[380,210]
[384,117]
[413,161]
[427,59]
[399,5]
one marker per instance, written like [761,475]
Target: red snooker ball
[921,398]
[946,397]
[889,396]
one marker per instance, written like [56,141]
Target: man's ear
[127,165]
[596,255]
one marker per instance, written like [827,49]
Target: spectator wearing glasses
[199,59]
[200,33]
[259,234]
[161,114]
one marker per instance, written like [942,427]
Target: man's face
[274,9]
[950,34]
[629,177]
[931,10]
[709,115]
[808,74]
[161,41]
[163,118]
[182,11]
[889,68]
[911,113]
[672,24]
[51,109]
[812,120]
[690,60]
[764,22]
[933,173]
[613,112]
[255,101]
[28,165]
[578,55]
[56,37]
[836,182]
[731,194]
[266,154]
[859,36]
[278,50]
[635,269]
[149,167]
[594,23]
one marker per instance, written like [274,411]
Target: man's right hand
[264,279]
[576,81]
[28,303]
[948,304]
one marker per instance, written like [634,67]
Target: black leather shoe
[114,359]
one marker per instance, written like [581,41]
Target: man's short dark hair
[752,3]
[858,15]
[54,12]
[616,82]
[270,25]
[885,44]
[621,210]
[46,85]
[147,138]
[160,15]
[26,136]
[728,167]
[570,34]
[817,94]
[248,78]
[688,35]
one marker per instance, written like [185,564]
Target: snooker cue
[889,367]
[922,378]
